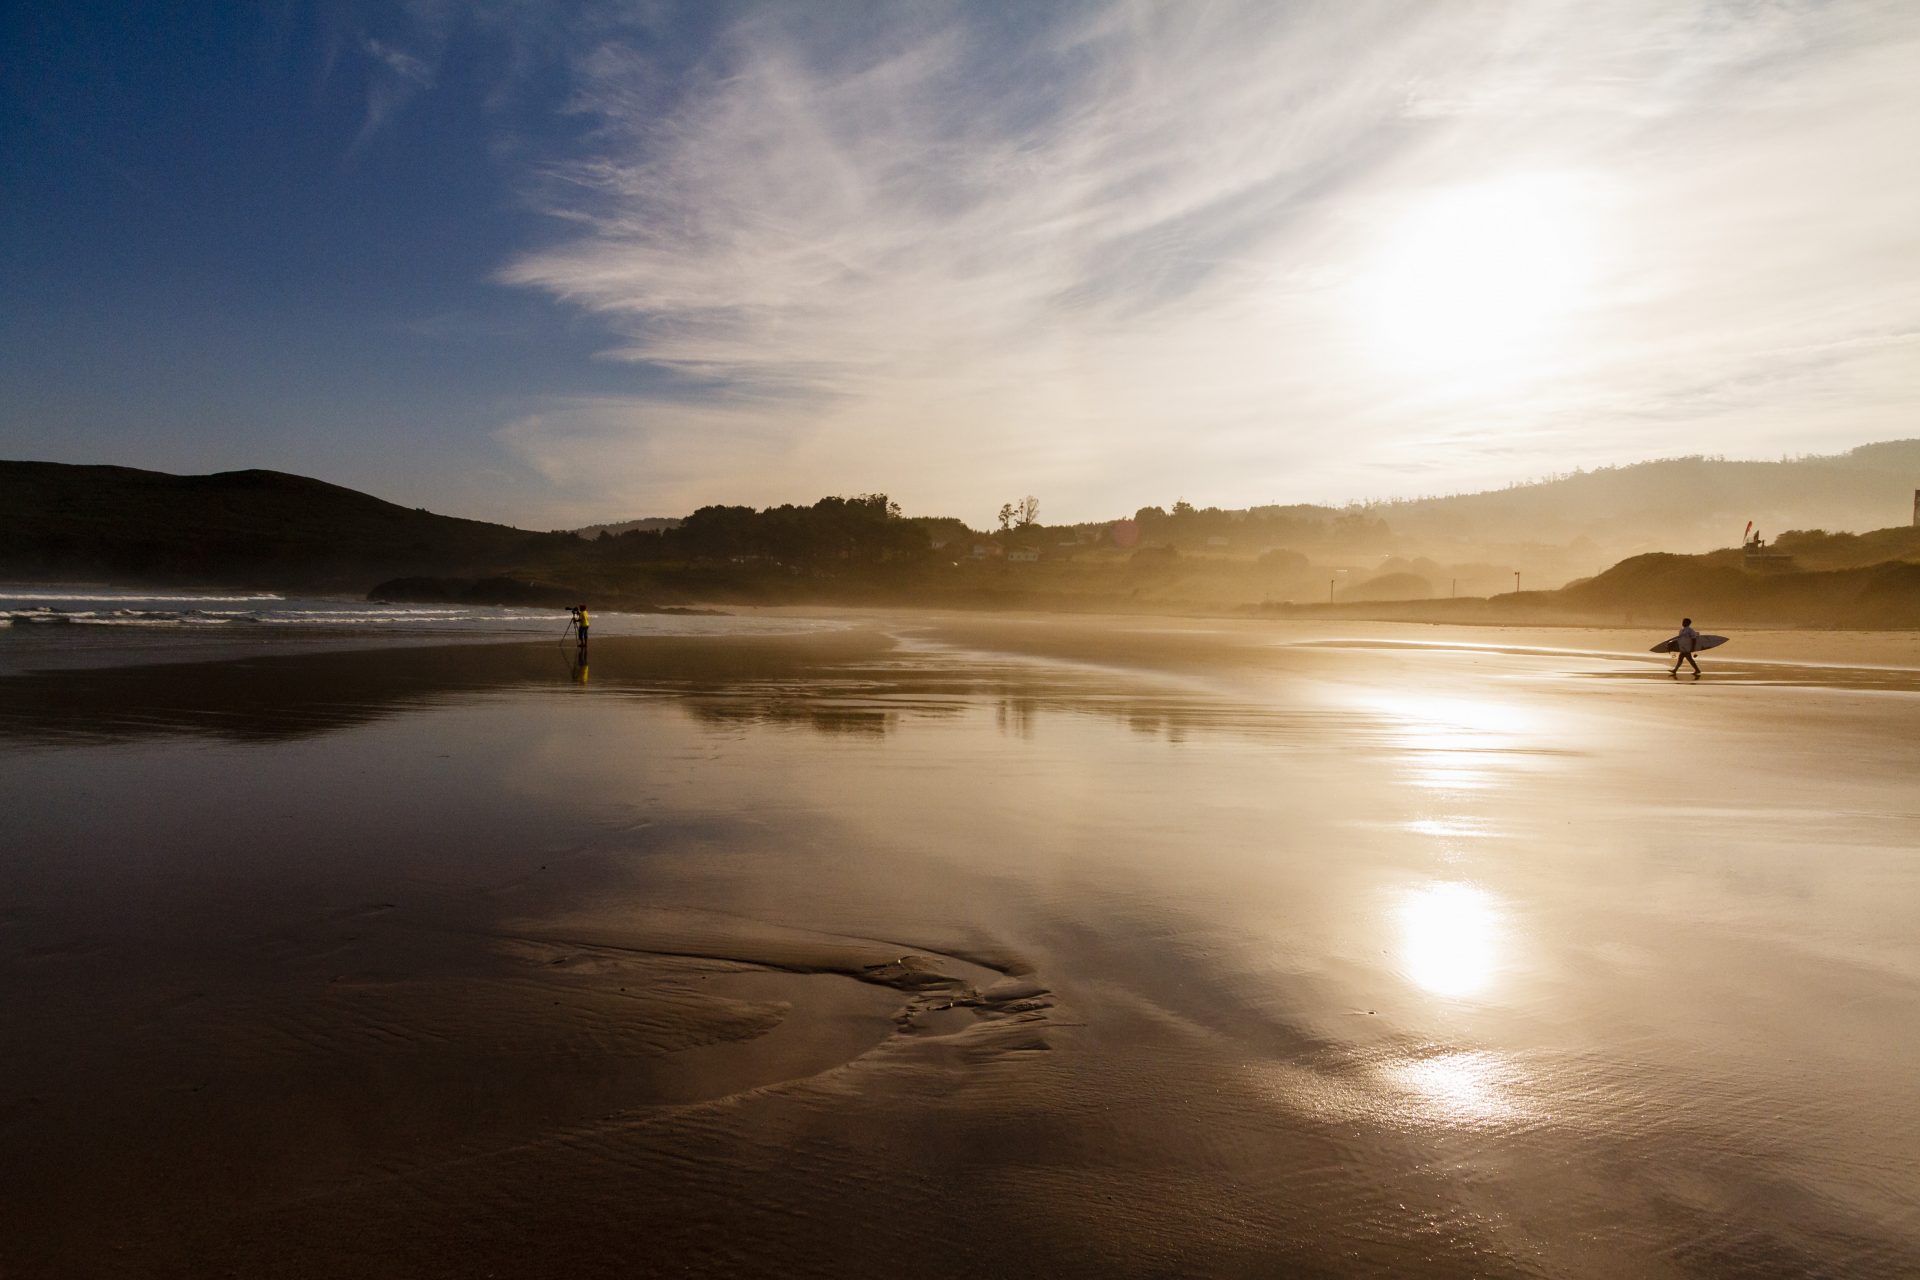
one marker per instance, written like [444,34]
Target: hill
[1828,587]
[234,527]
[269,529]
[1551,532]
[1853,581]
[1675,504]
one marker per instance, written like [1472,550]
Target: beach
[956,945]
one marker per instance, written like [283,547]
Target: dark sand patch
[234,1079]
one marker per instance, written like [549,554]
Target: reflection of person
[1682,647]
[580,622]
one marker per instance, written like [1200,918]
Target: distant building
[1025,555]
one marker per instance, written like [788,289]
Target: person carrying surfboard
[1687,641]
[1685,645]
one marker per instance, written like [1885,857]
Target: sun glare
[1474,282]
[1448,938]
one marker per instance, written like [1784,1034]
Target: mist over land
[1611,545]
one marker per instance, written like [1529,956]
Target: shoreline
[24,649]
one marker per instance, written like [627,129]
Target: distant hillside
[1854,580]
[1717,588]
[1455,556]
[647,524]
[1551,531]
[1866,581]
[260,527]
[1677,504]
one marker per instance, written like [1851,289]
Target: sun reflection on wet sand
[1461,1088]
[1451,828]
[1440,723]
[1449,938]
[1455,744]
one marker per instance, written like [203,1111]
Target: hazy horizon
[1203,502]
[1862,513]
[577,264]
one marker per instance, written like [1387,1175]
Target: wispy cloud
[1109,254]
[394,78]
[401,54]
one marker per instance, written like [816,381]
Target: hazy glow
[1475,282]
[1449,935]
[1243,251]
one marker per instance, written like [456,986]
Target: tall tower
[1916,508]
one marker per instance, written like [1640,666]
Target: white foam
[106,597]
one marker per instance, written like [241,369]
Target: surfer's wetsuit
[1688,638]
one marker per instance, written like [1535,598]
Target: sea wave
[121,618]
[119,609]
[216,618]
[109,597]
[376,613]
[25,606]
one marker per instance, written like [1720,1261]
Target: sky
[554,264]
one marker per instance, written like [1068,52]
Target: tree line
[865,529]
[837,533]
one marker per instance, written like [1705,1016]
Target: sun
[1475,283]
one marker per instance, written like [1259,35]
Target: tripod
[577,627]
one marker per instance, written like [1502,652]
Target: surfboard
[1674,645]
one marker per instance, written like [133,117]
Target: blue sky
[556,263]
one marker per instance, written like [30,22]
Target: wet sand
[947,945]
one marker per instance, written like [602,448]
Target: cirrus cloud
[1110,253]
